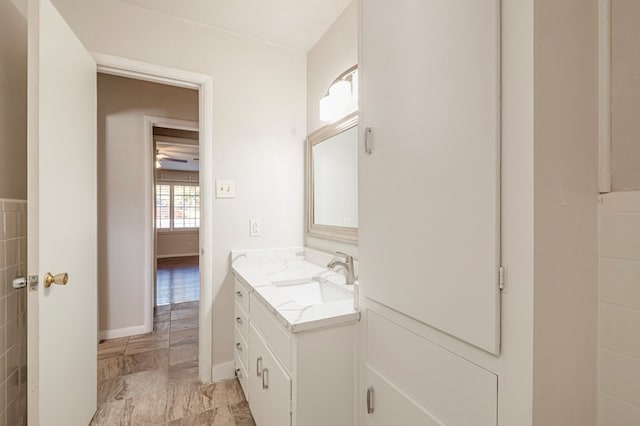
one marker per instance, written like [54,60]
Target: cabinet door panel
[271,391]
[429,191]
[391,406]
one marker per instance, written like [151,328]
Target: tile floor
[177,280]
[152,379]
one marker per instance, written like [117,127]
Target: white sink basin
[307,292]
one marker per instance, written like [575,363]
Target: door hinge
[501,278]
[33,282]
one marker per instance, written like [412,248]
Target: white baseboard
[223,371]
[123,332]
[166,256]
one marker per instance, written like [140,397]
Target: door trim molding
[149,230]
[125,67]
[604,95]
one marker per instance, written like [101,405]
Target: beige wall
[565,223]
[259,116]
[625,94]
[13,230]
[122,216]
[619,348]
[334,52]
[13,102]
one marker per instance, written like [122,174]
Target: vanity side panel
[324,377]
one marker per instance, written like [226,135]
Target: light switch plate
[225,188]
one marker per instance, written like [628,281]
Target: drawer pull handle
[259,366]
[239,346]
[368,133]
[239,320]
[370,395]
[265,378]
[239,293]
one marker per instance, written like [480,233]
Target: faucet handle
[347,257]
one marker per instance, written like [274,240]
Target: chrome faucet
[347,265]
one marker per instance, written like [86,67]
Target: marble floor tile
[184,373]
[107,389]
[184,313]
[165,316]
[144,382]
[162,309]
[148,360]
[185,305]
[184,336]
[188,399]
[234,392]
[216,417]
[183,324]
[153,378]
[242,414]
[112,347]
[147,342]
[148,409]
[180,354]
[110,368]
[113,414]
[161,327]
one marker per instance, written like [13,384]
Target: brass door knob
[60,279]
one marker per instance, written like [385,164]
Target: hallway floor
[177,280]
[152,379]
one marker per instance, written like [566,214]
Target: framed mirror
[332,181]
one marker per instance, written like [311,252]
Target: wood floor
[152,379]
[177,280]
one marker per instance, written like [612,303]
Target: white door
[429,227]
[62,238]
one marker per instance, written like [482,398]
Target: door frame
[203,83]
[151,235]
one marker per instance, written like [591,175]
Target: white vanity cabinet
[302,378]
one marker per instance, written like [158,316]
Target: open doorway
[151,328]
[177,216]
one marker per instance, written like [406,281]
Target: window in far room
[177,206]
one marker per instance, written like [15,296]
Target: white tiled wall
[619,316]
[13,313]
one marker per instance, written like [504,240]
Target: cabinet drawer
[243,377]
[240,346]
[455,390]
[277,336]
[390,404]
[241,320]
[269,385]
[242,295]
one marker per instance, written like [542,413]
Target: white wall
[13,102]
[565,202]
[333,53]
[259,115]
[123,221]
[625,95]
[619,346]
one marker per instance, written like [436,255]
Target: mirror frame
[329,232]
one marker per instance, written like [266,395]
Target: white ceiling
[167,151]
[296,24]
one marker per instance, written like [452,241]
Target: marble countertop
[269,274]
